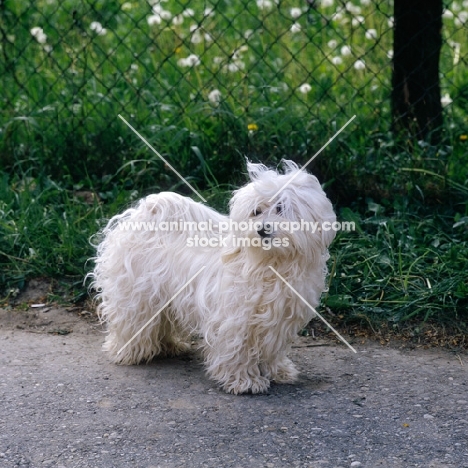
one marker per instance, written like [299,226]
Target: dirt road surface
[64,405]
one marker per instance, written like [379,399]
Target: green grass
[44,231]
[60,136]
[403,265]
[404,261]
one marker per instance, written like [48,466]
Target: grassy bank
[405,261]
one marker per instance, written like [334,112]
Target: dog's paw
[285,372]
[286,376]
[247,385]
[172,348]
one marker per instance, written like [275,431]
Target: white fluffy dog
[246,314]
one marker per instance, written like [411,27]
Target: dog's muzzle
[266,231]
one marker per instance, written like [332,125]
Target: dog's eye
[279,208]
[257,212]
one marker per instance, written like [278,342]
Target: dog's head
[284,213]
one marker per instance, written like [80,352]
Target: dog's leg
[173,339]
[280,370]
[234,365]
[129,341]
[237,379]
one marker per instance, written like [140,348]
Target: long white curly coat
[246,314]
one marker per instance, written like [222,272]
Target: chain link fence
[179,69]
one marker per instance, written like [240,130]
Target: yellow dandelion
[178,50]
[252,127]
[463,137]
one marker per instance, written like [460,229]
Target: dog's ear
[255,170]
[289,166]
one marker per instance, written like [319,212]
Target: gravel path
[64,405]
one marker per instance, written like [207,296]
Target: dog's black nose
[266,230]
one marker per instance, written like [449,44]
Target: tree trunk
[417,41]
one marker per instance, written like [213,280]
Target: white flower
[295,12]
[327,3]
[41,38]
[215,96]
[36,31]
[391,22]
[305,88]
[134,66]
[39,35]
[237,54]
[447,14]
[154,19]
[196,38]
[178,20]
[235,66]
[357,21]
[371,34]
[158,10]
[264,4]
[345,51]
[365,2]
[353,9]
[209,11]
[359,65]
[248,33]
[191,61]
[390,54]
[164,14]
[456,51]
[337,60]
[126,6]
[446,100]
[188,12]
[295,28]
[461,19]
[332,44]
[338,16]
[96,26]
